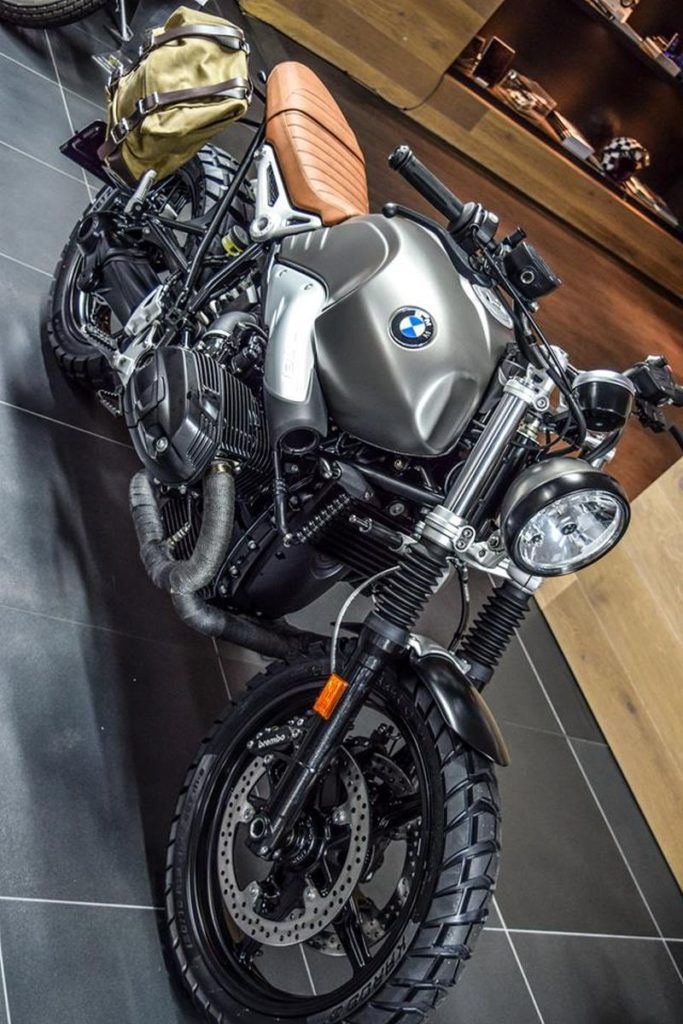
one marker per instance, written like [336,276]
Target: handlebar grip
[426,183]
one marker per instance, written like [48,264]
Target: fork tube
[485,455]
[322,740]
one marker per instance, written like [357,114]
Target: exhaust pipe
[182,579]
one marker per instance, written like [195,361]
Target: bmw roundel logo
[412,327]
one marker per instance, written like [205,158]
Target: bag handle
[235,88]
[225,35]
[229,36]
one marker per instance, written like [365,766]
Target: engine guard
[462,706]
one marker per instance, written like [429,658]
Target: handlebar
[426,183]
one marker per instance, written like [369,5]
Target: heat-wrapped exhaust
[191,574]
[274,641]
[184,578]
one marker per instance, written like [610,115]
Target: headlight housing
[562,515]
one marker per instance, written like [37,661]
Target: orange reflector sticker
[330,695]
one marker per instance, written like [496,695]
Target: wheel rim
[352,948]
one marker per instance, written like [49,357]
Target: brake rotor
[318,910]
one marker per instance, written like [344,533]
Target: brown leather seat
[319,156]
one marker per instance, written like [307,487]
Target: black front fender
[462,706]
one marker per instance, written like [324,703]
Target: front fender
[462,706]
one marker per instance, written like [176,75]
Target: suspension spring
[489,635]
[403,594]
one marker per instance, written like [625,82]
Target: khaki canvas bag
[190,80]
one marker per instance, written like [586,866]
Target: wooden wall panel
[487,135]
[620,626]
[398,48]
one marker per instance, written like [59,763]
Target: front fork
[399,602]
[331,720]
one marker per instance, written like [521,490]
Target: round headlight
[562,515]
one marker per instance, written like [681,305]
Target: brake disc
[318,910]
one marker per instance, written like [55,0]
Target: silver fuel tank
[404,347]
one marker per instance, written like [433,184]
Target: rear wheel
[382,888]
[191,192]
[39,14]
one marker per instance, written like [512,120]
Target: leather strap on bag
[235,88]
[230,37]
[225,35]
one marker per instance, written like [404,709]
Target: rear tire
[450,908]
[45,15]
[208,174]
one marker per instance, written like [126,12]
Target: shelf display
[553,66]
[653,48]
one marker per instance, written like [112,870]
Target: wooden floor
[619,626]
[604,315]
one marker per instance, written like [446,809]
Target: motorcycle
[319,394]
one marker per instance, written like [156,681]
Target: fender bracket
[462,706]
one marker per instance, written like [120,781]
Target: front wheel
[377,897]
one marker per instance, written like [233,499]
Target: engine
[184,409]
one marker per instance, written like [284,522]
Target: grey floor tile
[491,989]
[676,951]
[3,1012]
[493,920]
[96,733]
[73,50]
[601,981]
[29,376]
[560,867]
[81,965]
[558,679]
[69,544]
[28,46]
[639,845]
[55,203]
[32,115]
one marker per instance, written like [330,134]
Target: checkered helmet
[623,157]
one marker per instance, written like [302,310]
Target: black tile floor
[104,695]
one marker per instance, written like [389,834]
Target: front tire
[459,846]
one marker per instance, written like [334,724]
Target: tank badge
[412,327]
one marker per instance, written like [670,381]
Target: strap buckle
[119,131]
[147,104]
[146,44]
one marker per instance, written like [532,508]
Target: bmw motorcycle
[319,394]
